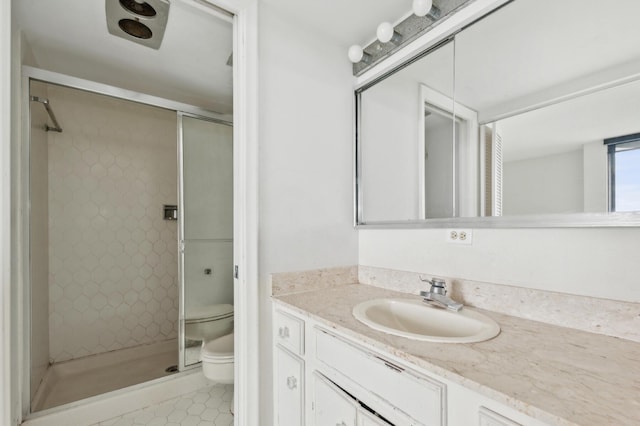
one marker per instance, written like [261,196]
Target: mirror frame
[413,52]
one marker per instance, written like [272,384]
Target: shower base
[82,378]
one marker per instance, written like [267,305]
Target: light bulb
[355,53]
[422,7]
[385,32]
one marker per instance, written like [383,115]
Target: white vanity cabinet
[324,378]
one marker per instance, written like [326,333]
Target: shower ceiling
[71,37]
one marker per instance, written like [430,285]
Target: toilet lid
[208,312]
[220,348]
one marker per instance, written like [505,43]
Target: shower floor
[74,380]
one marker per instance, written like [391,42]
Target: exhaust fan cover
[140,21]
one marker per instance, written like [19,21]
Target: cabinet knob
[292,382]
[341,424]
[283,332]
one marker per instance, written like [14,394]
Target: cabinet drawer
[422,398]
[487,417]
[289,332]
[289,387]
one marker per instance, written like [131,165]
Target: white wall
[544,185]
[113,259]
[569,182]
[592,262]
[306,111]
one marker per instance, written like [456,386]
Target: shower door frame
[49,77]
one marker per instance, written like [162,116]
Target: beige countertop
[557,375]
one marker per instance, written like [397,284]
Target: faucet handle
[438,285]
[436,282]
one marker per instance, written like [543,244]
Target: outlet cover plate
[460,236]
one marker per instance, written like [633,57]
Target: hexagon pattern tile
[113,259]
[210,406]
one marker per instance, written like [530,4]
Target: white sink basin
[414,319]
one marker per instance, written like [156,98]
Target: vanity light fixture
[422,7]
[386,33]
[426,14]
[357,54]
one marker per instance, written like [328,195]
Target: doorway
[107,237]
[243,18]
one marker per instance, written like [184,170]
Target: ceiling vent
[139,21]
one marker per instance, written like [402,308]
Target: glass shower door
[206,224]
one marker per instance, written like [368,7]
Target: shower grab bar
[45,102]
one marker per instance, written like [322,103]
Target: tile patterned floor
[210,406]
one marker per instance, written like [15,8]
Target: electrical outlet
[460,236]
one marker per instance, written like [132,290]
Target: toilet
[213,325]
[208,322]
[217,359]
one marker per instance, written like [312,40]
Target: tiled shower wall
[113,259]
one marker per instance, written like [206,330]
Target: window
[624,173]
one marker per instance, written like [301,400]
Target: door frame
[465,152]
[245,87]
[48,77]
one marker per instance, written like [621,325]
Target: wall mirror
[528,117]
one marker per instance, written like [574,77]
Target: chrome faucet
[437,295]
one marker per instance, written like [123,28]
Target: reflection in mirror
[207,258]
[415,103]
[624,173]
[450,168]
[562,97]
[555,158]
[543,120]
[438,197]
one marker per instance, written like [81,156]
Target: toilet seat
[208,313]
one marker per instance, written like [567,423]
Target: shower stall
[130,202]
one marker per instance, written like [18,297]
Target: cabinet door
[289,389]
[289,332]
[367,419]
[487,417]
[331,405]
